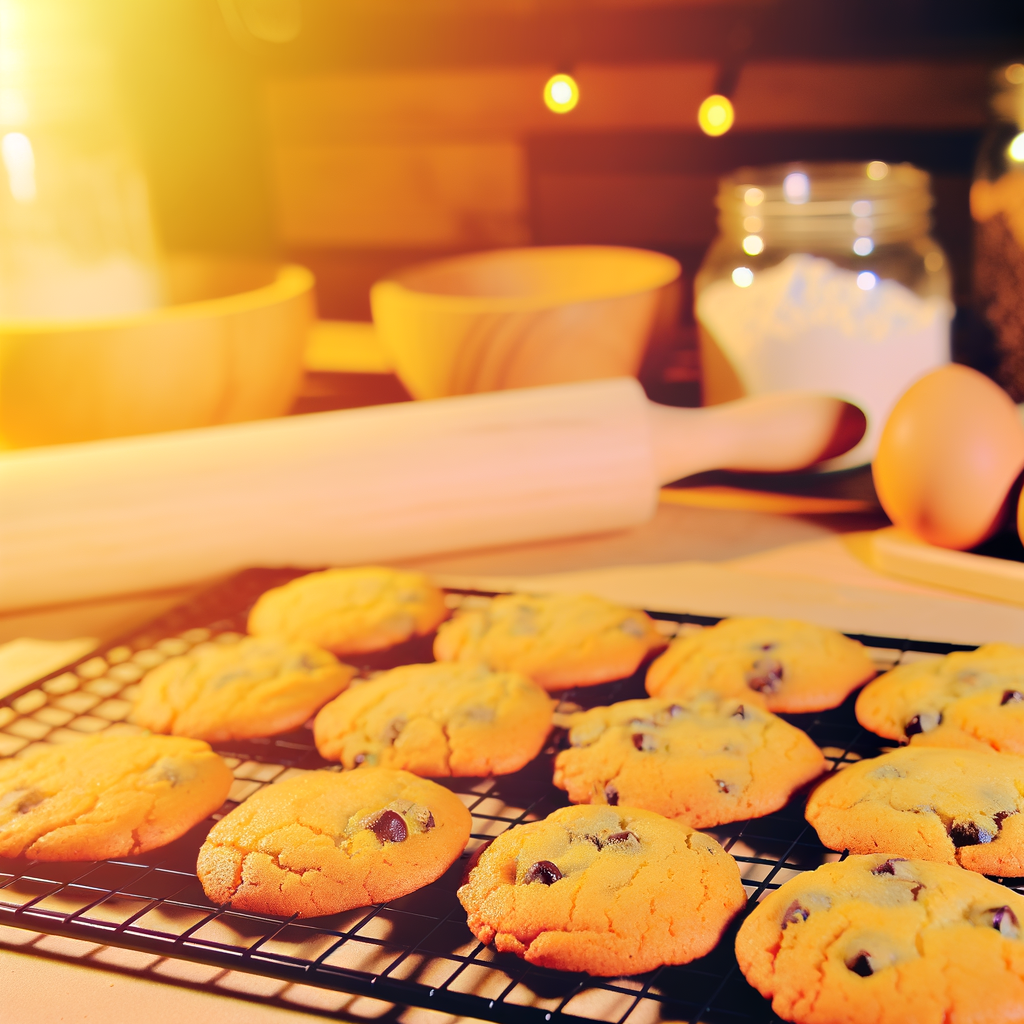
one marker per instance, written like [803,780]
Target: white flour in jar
[806,325]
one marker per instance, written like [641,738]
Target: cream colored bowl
[228,347]
[517,318]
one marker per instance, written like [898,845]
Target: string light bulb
[561,94]
[716,115]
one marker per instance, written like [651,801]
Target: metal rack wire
[416,950]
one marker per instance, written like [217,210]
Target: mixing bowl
[515,318]
[227,347]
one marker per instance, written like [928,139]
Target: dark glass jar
[997,206]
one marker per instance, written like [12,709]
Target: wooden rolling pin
[383,483]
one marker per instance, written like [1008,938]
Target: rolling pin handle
[775,433]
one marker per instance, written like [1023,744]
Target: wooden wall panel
[920,94]
[660,210]
[402,194]
[503,103]
[375,168]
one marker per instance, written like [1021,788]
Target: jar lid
[1008,93]
[826,203]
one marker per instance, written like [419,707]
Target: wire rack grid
[416,950]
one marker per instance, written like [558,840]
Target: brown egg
[948,457]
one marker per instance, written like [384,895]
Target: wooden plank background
[375,168]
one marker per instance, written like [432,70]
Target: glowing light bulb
[1015,74]
[866,280]
[863,225]
[561,94]
[753,244]
[20,162]
[863,247]
[752,225]
[743,277]
[1016,148]
[877,170]
[753,197]
[716,115]
[861,208]
[796,187]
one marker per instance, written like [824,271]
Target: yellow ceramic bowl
[517,318]
[227,347]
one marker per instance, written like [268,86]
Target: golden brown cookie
[888,941]
[966,699]
[707,761]
[783,664]
[324,842]
[107,796]
[606,890]
[350,611]
[958,806]
[259,686]
[437,719]
[558,640]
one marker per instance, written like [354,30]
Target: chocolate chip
[666,715]
[924,722]
[886,867]
[1012,697]
[917,889]
[390,827]
[723,787]
[29,800]
[642,741]
[795,914]
[1000,816]
[429,823]
[861,964]
[1004,920]
[543,871]
[969,833]
[619,837]
[392,730]
[739,712]
[611,794]
[595,840]
[765,675]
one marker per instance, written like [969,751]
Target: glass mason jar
[997,206]
[824,278]
[76,235]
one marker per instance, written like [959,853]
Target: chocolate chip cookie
[604,890]
[558,640]
[260,686]
[437,719]
[107,796]
[783,664]
[350,611]
[958,806]
[888,941]
[707,761]
[966,699]
[324,842]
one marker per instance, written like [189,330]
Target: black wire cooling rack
[416,950]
